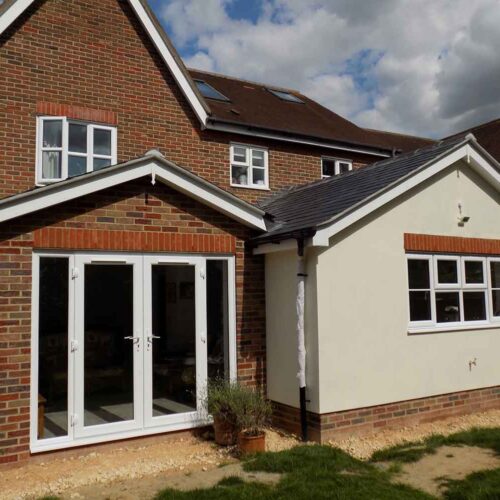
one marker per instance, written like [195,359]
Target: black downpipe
[303,400]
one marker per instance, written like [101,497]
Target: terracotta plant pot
[225,432]
[249,444]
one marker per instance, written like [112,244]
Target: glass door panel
[174,339]
[108,344]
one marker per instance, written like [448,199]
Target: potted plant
[223,398]
[252,414]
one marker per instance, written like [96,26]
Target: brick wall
[135,216]
[394,415]
[450,244]
[95,55]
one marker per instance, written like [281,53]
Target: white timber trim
[281,246]
[12,13]
[152,165]
[471,153]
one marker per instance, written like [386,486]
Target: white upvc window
[67,148]
[448,290]
[249,166]
[334,166]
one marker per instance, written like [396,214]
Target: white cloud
[437,68]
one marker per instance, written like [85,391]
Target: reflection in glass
[420,306]
[53,348]
[496,303]
[174,351]
[108,353]
[77,138]
[495,274]
[102,142]
[100,163]
[474,272]
[52,134]
[217,319]
[77,165]
[418,274]
[447,307]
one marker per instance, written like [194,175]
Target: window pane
[257,158]
[418,274]
[239,175]
[447,307]
[259,176]
[328,167]
[77,165]
[496,303]
[52,134]
[100,163]
[344,167]
[495,274]
[51,165]
[474,272]
[53,348]
[77,138]
[102,142]
[420,306]
[217,319]
[240,154]
[447,271]
[474,306]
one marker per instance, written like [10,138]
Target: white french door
[108,344]
[175,351]
[124,344]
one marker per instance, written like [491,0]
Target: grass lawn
[322,472]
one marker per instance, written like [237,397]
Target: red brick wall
[394,415]
[138,216]
[83,53]
[450,244]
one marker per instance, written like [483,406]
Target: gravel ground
[363,447]
[189,454]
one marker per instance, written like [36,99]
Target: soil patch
[449,462]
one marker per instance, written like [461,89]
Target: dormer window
[67,148]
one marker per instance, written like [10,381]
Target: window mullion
[65,147]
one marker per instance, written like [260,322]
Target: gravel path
[182,456]
[363,447]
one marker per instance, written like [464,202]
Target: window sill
[457,328]
[257,188]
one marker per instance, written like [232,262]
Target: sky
[425,67]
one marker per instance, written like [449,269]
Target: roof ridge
[244,80]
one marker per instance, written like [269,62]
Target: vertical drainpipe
[301,347]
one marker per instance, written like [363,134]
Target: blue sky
[428,67]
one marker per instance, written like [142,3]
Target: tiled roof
[310,205]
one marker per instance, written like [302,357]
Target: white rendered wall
[366,356]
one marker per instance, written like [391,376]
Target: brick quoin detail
[132,241]
[389,416]
[450,244]
[77,113]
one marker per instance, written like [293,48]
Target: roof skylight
[208,91]
[286,96]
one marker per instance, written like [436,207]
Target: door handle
[136,341]
[150,340]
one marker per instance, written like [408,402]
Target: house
[149,225]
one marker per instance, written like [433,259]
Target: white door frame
[82,260]
[199,264]
[170,423]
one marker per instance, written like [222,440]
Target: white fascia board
[157,169]
[170,61]
[477,162]
[12,13]
[483,165]
[242,130]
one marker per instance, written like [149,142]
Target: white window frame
[490,287]
[248,164]
[337,161]
[460,288]
[64,150]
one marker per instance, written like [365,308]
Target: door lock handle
[136,341]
